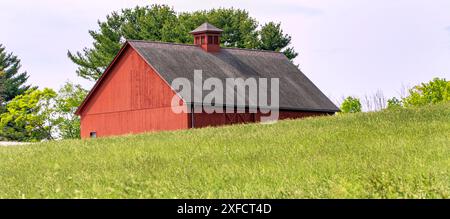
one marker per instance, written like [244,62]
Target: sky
[347,47]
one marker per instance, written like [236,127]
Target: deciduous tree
[29,116]
[69,97]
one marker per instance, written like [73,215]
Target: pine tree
[2,73]
[273,38]
[12,81]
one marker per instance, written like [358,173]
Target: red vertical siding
[204,119]
[131,99]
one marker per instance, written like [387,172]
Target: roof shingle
[206,27]
[296,91]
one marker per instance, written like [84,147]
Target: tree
[239,29]
[28,116]
[272,38]
[435,91]
[12,80]
[351,105]
[162,23]
[2,73]
[70,96]
[43,114]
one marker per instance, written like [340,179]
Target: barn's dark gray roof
[296,91]
[206,27]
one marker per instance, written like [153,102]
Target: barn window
[210,40]
[93,134]
[216,40]
[203,40]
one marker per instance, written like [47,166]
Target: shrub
[351,105]
[435,91]
[394,103]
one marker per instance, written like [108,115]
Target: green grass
[391,154]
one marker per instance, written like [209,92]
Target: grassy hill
[391,154]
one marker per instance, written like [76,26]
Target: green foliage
[240,30]
[351,105]
[43,114]
[435,91]
[389,154]
[2,74]
[12,82]
[272,38]
[70,96]
[394,103]
[28,116]
[162,23]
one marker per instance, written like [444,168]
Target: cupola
[207,37]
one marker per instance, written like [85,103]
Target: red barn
[134,94]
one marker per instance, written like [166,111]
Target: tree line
[162,23]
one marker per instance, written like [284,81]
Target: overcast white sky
[347,47]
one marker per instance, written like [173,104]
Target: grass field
[391,154]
